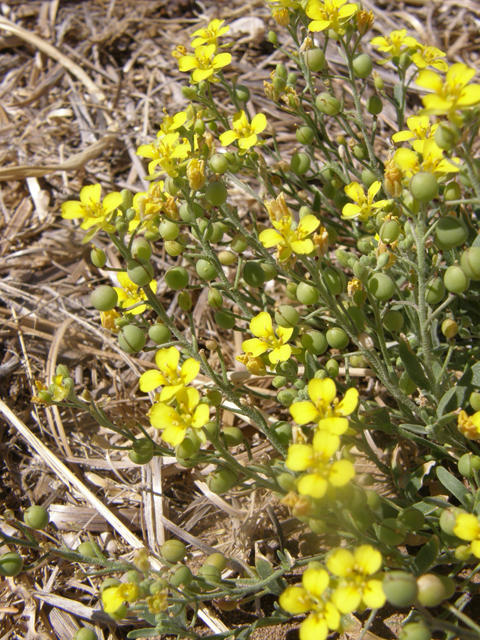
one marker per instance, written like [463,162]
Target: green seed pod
[456,280]
[389,231]
[292,79]
[238,243]
[11,564]
[185,301]
[327,103]
[190,93]
[160,584]
[406,384]
[140,272]
[176,278]
[121,225]
[186,215]
[159,333]
[332,368]
[272,37]
[433,590]
[449,328]
[344,258]
[412,518]
[360,153]
[452,191]
[286,316]
[400,589]
[334,280]
[36,517]
[305,135]
[210,572]
[368,178]
[361,271]
[221,481]
[98,257]
[227,258]
[381,286]
[475,400]
[446,136]
[450,232]
[393,321]
[465,465]
[215,299]
[306,294]
[206,270]
[216,194]
[133,576]
[315,60]
[279,84]
[169,230]
[470,263]
[415,631]
[85,633]
[104,298]
[217,560]
[173,248]
[374,105]
[233,436]
[269,271]
[365,244]
[242,93]
[216,233]
[283,431]
[314,341]
[286,481]
[392,532]
[435,291]
[131,339]
[173,551]
[188,447]
[424,186]
[362,66]
[328,190]
[300,164]
[224,320]
[86,549]
[141,249]
[337,338]
[181,576]
[218,164]
[287,396]
[357,316]
[253,274]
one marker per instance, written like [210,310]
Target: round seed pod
[362,65]
[389,231]
[452,191]
[173,248]
[206,270]
[327,103]
[253,274]
[305,135]
[381,286]
[334,280]
[218,164]
[456,280]
[217,560]
[141,249]
[368,178]
[169,230]
[221,481]
[242,93]
[11,564]
[306,294]
[415,631]
[283,431]
[238,243]
[233,436]
[300,164]
[224,320]
[393,321]
[181,575]
[131,339]
[400,589]
[424,186]
[314,341]
[185,213]
[140,272]
[287,316]
[392,532]
[435,291]
[216,194]
[446,136]
[36,517]
[315,60]
[412,518]
[86,549]
[176,278]
[173,551]
[450,232]
[470,263]
[98,257]
[337,338]
[104,298]
[159,333]
[474,400]
[374,105]
[432,590]
[269,270]
[215,298]
[332,368]
[84,633]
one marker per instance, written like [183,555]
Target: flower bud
[98,257]
[378,82]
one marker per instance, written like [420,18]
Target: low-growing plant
[363,260]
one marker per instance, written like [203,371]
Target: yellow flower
[365,20]
[395,44]
[168,376]
[420,130]
[285,4]
[244,131]
[114,597]
[317,459]
[450,94]
[324,408]
[176,421]
[171,123]
[392,178]
[469,426]
[364,206]
[261,327]
[129,294]
[431,160]
[467,527]
[355,586]
[310,597]
[289,238]
[158,602]
[208,35]
[330,14]
[96,214]
[165,152]
[156,200]
[108,318]
[196,174]
[429,57]
[206,63]
[255,366]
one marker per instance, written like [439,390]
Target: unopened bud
[366,341]
[211,345]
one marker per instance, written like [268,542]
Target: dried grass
[82,84]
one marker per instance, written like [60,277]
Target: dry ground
[82,84]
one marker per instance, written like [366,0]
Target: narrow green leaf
[454,486]
[426,557]
[412,365]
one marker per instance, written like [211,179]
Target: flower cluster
[467,527]
[355,585]
[469,426]
[96,213]
[205,63]
[268,340]
[178,408]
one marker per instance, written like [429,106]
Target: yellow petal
[255,347]
[341,562]
[187,63]
[351,210]
[428,79]
[374,189]
[307,225]
[228,137]
[326,444]
[259,123]
[315,581]
[72,209]
[347,599]
[368,559]
[162,415]
[174,435]
[373,595]
[201,416]
[169,392]
[295,600]
[270,237]
[222,60]
[151,380]
[302,247]
[300,457]
[189,371]
[313,485]
[314,628]
[334,425]
[111,202]
[341,472]
[261,325]
[354,191]
[304,412]
[349,403]
[322,390]
[91,194]
[280,354]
